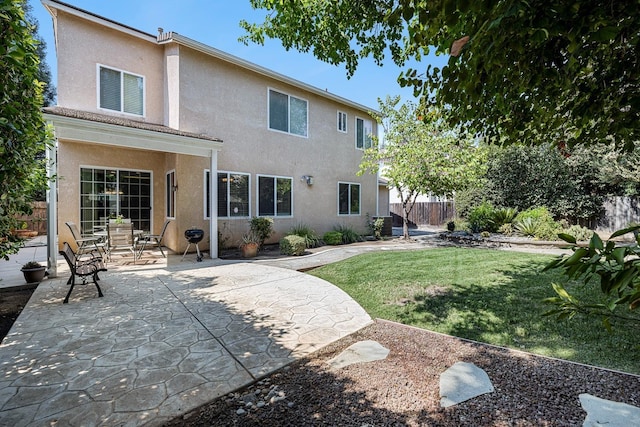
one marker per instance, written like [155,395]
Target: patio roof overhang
[98,129]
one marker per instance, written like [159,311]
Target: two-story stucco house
[161,126]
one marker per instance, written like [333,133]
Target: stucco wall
[85,44]
[223,99]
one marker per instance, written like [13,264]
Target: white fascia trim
[211,51]
[72,129]
[52,5]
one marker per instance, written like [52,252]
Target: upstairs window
[120,91]
[342,121]
[287,113]
[364,130]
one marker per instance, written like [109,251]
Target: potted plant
[33,272]
[250,244]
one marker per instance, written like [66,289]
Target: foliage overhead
[528,71]
[421,156]
[22,129]
[615,266]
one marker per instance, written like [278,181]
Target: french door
[106,193]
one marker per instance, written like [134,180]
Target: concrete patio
[166,337]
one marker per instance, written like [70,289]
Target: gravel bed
[404,388]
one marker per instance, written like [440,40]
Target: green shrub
[261,227]
[307,233]
[332,238]
[579,232]
[481,218]
[292,245]
[506,229]
[526,227]
[375,226]
[485,234]
[349,235]
[537,222]
[504,216]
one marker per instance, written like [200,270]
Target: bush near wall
[293,245]
[332,238]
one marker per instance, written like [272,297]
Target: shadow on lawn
[510,312]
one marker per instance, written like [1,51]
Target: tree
[526,71]
[22,128]
[567,183]
[421,156]
[44,72]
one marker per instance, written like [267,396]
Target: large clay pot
[34,275]
[250,250]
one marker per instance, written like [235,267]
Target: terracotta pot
[25,234]
[34,275]
[250,250]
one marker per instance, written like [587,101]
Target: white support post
[213,205]
[52,210]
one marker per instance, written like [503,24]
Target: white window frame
[275,201]
[289,96]
[349,201]
[342,120]
[170,194]
[122,72]
[205,201]
[367,142]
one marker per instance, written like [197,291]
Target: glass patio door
[106,193]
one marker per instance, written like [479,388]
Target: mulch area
[12,301]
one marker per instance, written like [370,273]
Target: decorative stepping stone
[602,412]
[463,381]
[363,351]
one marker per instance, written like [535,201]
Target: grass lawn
[484,295]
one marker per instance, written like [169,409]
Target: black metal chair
[153,240]
[82,268]
[86,244]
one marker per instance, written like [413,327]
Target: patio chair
[82,268]
[153,240]
[121,236]
[86,244]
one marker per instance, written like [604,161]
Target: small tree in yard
[22,129]
[421,155]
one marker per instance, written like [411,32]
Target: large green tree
[22,128]
[519,70]
[421,155]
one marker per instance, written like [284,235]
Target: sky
[216,23]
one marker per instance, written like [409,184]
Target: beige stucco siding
[84,47]
[233,101]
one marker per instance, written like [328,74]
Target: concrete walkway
[167,337]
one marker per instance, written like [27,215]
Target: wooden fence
[37,221]
[424,213]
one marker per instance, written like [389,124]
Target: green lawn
[485,295]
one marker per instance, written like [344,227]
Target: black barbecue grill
[194,236]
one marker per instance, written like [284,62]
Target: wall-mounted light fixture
[308,179]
